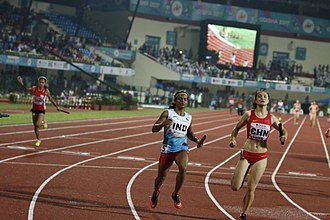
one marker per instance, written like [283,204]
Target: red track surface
[105,169]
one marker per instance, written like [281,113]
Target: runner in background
[313,109]
[296,113]
[280,107]
[231,102]
[39,93]
[240,108]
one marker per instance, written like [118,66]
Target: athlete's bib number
[164,148]
[259,131]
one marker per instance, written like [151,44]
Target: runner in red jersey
[254,153]
[240,108]
[38,110]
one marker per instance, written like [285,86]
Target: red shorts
[253,157]
[169,158]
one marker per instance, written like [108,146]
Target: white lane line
[323,142]
[129,186]
[93,125]
[88,143]
[100,131]
[75,126]
[20,148]
[218,166]
[42,186]
[278,167]
[131,158]
[76,153]
[302,174]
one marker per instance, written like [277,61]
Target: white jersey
[175,138]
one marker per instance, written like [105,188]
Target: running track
[105,169]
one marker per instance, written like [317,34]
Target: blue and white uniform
[175,138]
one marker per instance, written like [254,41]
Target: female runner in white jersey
[254,154]
[177,127]
[313,109]
[296,113]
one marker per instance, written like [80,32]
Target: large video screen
[230,44]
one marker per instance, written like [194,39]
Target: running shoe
[38,143]
[176,200]
[242,216]
[45,125]
[154,200]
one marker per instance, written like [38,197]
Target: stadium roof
[312,8]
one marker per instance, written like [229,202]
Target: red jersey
[39,99]
[240,104]
[231,101]
[259,128]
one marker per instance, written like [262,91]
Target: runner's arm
[161,122]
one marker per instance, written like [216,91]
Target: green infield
[17,117]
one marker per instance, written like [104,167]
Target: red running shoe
[154,200]
[177,202]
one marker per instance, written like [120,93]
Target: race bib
[38,100]
[259,131]
[179,129]
[164,149]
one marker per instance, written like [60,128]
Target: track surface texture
[105,169]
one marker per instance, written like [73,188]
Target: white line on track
[75,126]
[42,186]
[88,125]
[101,131]
[323,142]
[129,186]
[88,143]
[302,174]
[278,167]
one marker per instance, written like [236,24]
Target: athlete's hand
[200,142]
[167,123]
[232,143]
[282,139]
[327,133]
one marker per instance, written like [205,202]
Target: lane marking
[195,164]
[130,183]
[20,148]
[43,185]
[94,142]
[278,167]
[302,174]
[76,152]
[131,158]
[321,213]
[101,131]
[95,125]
